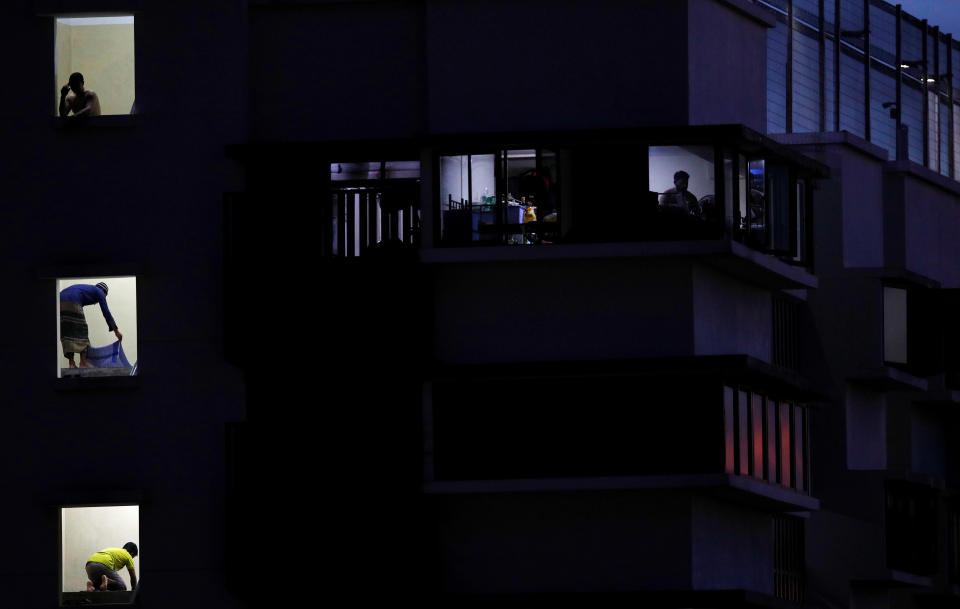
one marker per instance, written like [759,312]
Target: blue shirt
[85,295]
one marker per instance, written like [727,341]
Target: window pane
[756,432]
[772,437]
[728,431]
[799,448]
[669,164]
[744,433]
[101,49]
[895,325]
[87,317]
[785,464]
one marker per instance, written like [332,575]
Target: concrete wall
[562,310]
[727,66]
[730,316]
[86,530]
[732,547]
[145,199]
[564,542]
[931,231]
[322,70]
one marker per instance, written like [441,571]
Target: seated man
[81,102]
[678,200]
[102,568]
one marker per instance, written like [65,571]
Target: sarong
[73,328]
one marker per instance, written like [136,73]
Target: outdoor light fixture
[915,63]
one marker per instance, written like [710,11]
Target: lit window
[508,197]
[374,208]
[100,49]
[97,326]
[99,542]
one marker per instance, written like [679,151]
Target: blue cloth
[108,356]
[85,294]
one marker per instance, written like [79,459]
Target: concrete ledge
[85,599]
[106,121]
[842,138]
[888,378]
[730,256]
[740,489]
[95,372]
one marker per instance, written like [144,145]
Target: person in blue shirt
[73,325]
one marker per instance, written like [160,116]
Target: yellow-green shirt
[115,558]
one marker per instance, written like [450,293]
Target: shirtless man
[81,102]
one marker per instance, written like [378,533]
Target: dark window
[786,332]
[788,558]
[911,528]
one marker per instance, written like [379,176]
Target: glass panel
[771,471]
[895,325]
[731,213]
[729,465]
[799,448]
[785,453]
[744,433]
[757,206]
[933,132]
[779,207]
[682,181]
[776,78]
[756,431]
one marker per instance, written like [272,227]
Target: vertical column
[836,66]
[951,136]
[898,108]
[925,30]
[789,73]
[821,55]
[866,69]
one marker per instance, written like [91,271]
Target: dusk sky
[944,13]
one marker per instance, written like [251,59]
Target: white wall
[667,160]
[122,302]
[85,530]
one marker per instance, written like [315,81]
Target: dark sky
[945,13]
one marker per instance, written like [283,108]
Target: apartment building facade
[488,303]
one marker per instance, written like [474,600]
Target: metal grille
[365,218]
[786,333]
[788,558]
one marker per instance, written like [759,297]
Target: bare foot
[103,585]
[86,365]
[73,364]
[90,587]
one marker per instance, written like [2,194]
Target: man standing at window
[81,102]
[102,568]
[73,325]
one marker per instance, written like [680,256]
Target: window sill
[79,383]
[86,599]
[106,121]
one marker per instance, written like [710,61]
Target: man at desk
[678,200]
